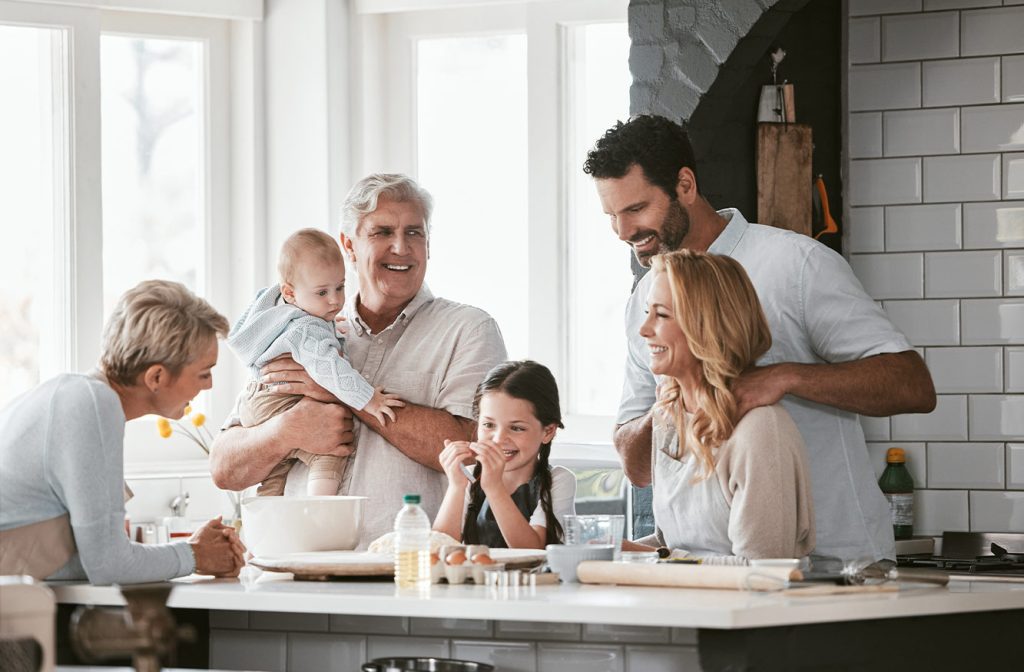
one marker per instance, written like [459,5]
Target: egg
[456,558]
[482,559]
[434,559]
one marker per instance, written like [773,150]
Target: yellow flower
[188,409]
[163,425]
[198,419]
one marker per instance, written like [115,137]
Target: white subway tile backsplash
[449,627]
[861,7]
[875,429]
[243,650]
[938,511]
[885,181]
[866,230]
[295,622]
[918,132]
[948,422]
[993,128]
[968,81]
[378,646]
[910,37]
[537,630]
[922,227]
[371,625]
[865,40]
[961,178]
[511,656]
[1013,79]
[1015,466]
[579,658]
[999,224]
[1015,369]
[966,465]
[625,633]
[317,653]
[662,659]
[1013,175]
[930,5]
[997,417]
[997,511]
[917,460]
[962,274]
[961,370]
[888,86]
[992,31]
[931,322]
[205,501]
[151,498]
[889,276]
[865,135]
[992,321]
[1013,265]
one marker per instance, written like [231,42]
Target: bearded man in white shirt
[835,354]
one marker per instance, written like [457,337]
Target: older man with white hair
[430,351]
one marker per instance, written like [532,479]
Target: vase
[235,518]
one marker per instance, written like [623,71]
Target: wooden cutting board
[327,564]
[686,576]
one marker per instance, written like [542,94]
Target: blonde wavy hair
[721,318]
[157,322]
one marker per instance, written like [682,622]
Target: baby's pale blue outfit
[270,328]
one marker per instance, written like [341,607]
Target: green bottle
[898,487]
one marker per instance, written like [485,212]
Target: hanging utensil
[826,215]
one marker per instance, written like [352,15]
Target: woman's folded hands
[217,549]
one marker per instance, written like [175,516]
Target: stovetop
[974,556]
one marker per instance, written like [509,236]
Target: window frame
[78,225]
[384,74]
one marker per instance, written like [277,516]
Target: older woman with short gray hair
[62,488]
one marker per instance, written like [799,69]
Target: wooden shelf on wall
[784,176]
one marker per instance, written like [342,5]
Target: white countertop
[574,603]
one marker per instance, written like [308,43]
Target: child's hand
[382,405]
[492,464]
[340,325]
[452,458]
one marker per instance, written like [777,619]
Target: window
[32,346]
[492,110]
[75,237]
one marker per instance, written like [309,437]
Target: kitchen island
[272,623]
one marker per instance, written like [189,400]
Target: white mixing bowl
[277,525]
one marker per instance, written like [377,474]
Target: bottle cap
[895,456]
[411,499]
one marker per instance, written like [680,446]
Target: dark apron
[526,497]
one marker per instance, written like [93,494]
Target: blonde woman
[726,489]
[62,488]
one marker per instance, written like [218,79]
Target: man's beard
[674,228]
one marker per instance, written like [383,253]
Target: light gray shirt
[818,313]
[434,354]
[62,452]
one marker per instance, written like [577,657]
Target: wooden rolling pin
[686,576]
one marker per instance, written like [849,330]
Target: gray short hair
[157,322]
[362,198]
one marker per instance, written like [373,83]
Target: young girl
[515,499]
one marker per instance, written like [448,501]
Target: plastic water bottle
[412,545]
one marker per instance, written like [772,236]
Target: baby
[312,289]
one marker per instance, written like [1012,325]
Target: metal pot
[425,664]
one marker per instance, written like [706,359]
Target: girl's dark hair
[535,384]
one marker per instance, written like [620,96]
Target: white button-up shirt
[818,313]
